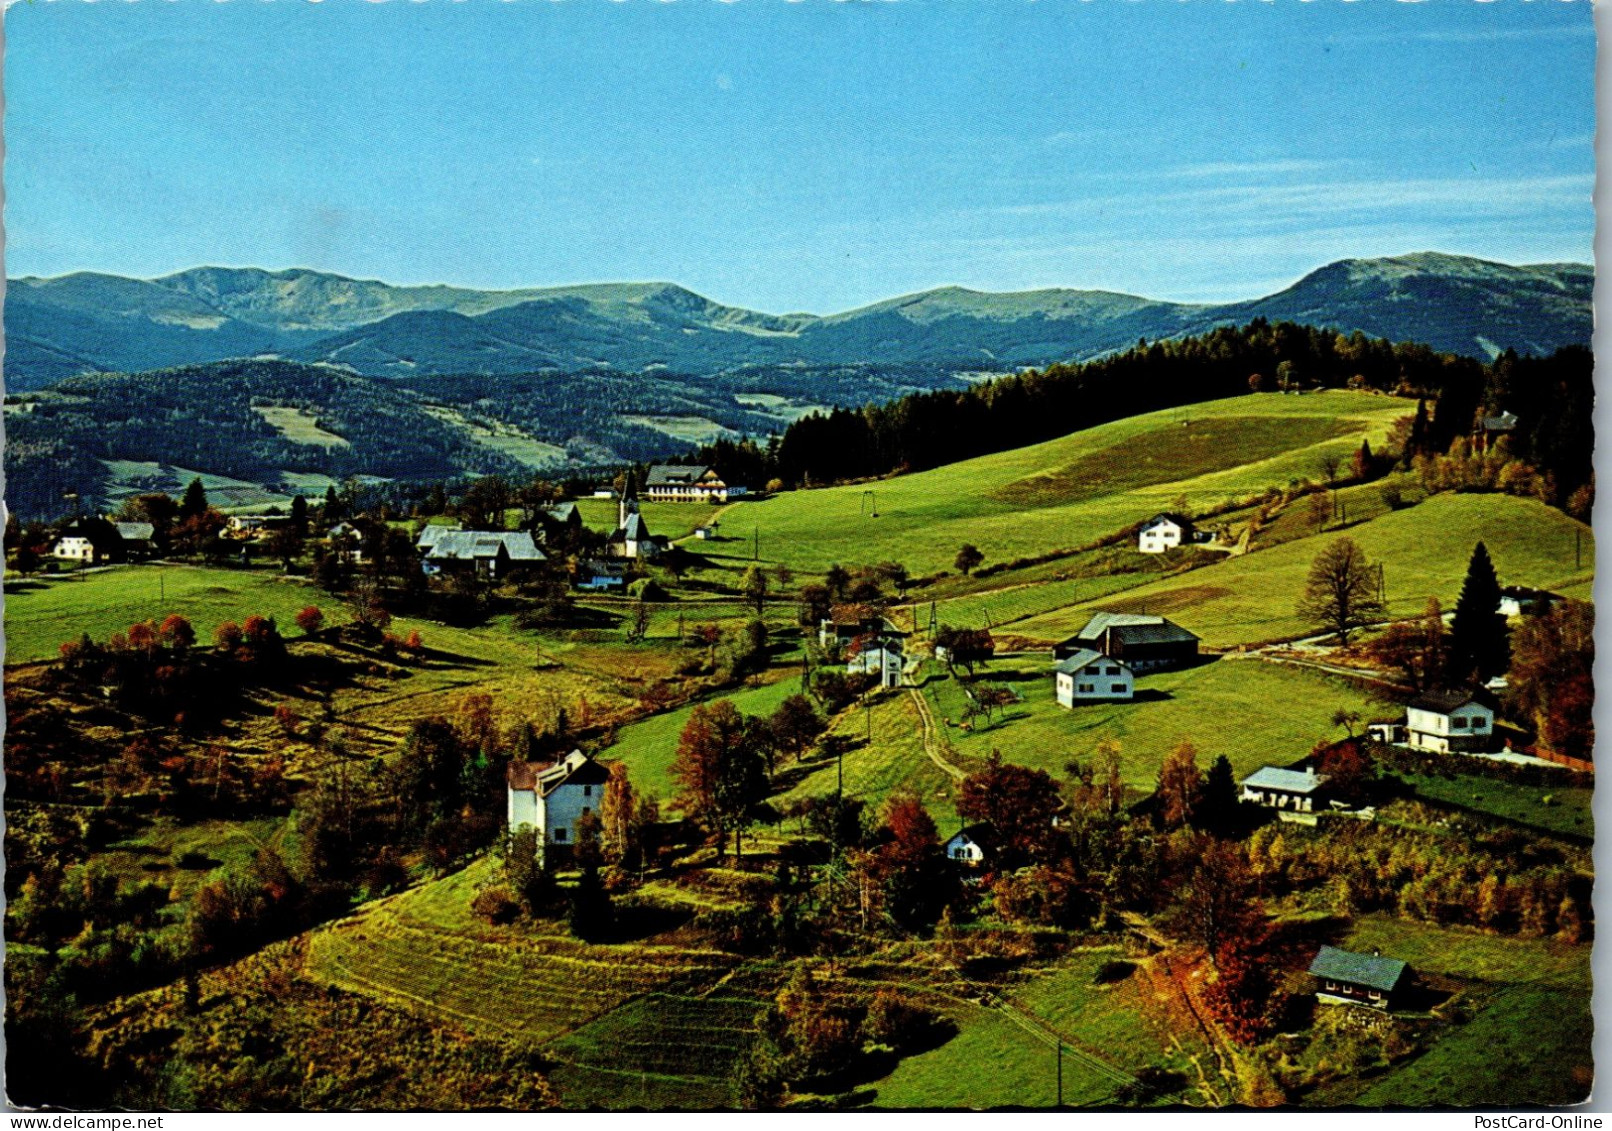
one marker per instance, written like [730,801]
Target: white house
[966,848]
[75,547]
[1445,721]
[688,483]
[1165,532]
[1272,787]
[879,656]
[1519,600]
[1090,676]
[551,797]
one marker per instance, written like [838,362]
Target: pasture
[41,613]
[1529,1011]
[1424,550]
[1253,712]
[1064,492]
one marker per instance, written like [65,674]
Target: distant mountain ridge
[85,322]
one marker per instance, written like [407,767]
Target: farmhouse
[549,798]
[688,483]
[491,553]
[1346,978]
[1165,531]
[846,623]
[1090,676]
[1446,721]
[1292,791]
[560,517]
[1144,643]
[90,541]
[138,538]
[967,847]
[1521,601]
[877,655]
[77,548]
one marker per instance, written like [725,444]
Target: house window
[587,791]
[1458,724]
[1480,724]
[559,835]
[1117,689]
[1088,687]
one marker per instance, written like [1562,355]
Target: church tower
[629,500]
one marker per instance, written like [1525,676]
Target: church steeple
[629,500]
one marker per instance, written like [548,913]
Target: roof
[1133,628]
[852,616]
[1072,664]
[1288,781]
[980,833]
[561,512]
[474,545]
[1358,969]
[635,529]
[576,768]
[1443,702]
[135,531]
[430,535]
[1524,593]
[674,474]
[1180,520]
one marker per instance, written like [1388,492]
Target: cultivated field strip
[538,989]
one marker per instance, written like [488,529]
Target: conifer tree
[1479,645]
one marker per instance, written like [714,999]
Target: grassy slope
[1425,550]
[649,747]
[1214,706]
[1534,1019]
[1064,492]
[40,614]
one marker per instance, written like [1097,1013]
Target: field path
[931,737]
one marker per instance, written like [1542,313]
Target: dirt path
[932,737]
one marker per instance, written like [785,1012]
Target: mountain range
[87,322]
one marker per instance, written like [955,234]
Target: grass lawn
[1533,1017]
[895,759]
[1253,712]
[1569,812]
[1424,549]
[1063,492]
[41,614]
[650,746]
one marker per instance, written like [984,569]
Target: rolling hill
[86,322]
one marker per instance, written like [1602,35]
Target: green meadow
[1062,493]
[1423,549]
[1256,713]
[41,613]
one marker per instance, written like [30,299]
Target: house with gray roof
[1344,977]
[1144,643]
[1450,721]
[1088,676]
[492,554]
[688,483]
[1292,791]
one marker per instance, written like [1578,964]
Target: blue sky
[798,156]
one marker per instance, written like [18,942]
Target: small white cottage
[966,847]
[1164,532]
[1275,788]
[551,797]
[1089,676]
[880,657]
[1446,721]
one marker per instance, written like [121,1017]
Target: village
[631,723]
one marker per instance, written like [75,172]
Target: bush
[496,906]
[646,589]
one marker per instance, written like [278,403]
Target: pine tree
[194,503]
[1479,645]
[1216,809]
